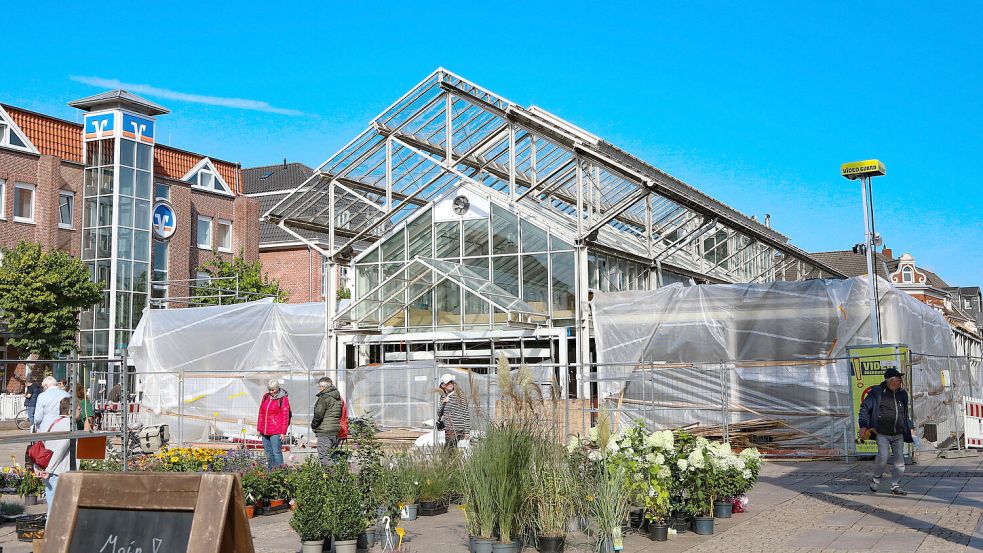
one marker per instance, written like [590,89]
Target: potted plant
[436,483]
[510,443]
[700,485]
[345,520]
[256,489]
[309,519]
[607,503]
[30,487]
[277,491]
[479,504]
[408,485]
[550,500]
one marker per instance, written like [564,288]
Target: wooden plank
[211,510]
[63,513]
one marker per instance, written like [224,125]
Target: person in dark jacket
[31,395]
[884,413]
[453,416]
[327,420]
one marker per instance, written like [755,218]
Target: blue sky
[756,106]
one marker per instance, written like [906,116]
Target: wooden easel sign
[97,512]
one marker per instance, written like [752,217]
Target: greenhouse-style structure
[491,224]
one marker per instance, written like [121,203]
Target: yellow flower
[174,459]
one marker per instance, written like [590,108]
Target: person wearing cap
[884,413]
[454,415]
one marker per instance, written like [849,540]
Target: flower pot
[550,544]
[503,547]
[703,526]
[370,537]
[722,509]
[472,543]
[635,518]
[517,545]
[483,545]
[431,508]
[362,543]
[30,500]
[311,546]
[607,545]
[410,512]
[658,531]
[277,502]
[250,513]
[346,546]
[679,523]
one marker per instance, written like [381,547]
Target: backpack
[343,423]
[290,412]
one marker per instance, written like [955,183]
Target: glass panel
[420,237]
[124,247]
[90,181]
[563,285]
[394,249]
[224,236]
[447,239]
[204,233]
[533,238]
[102,312]
[505,273]
[89,244]
[141,215]
[447,304]
[144,157]
[139,302]
[535,281]
[559,244]
[122,339]
[106,180]
[127,153]
[420,312]
[140,277]
[505,230]
[366,278]
[123,309]
[105,243]
[23,203]
[143,184]
[141,245]
[159,260]
[591,272]
[125,211]
[100,348]
[373,255]
[475,237]
[162,192]
[15,140]
[105,217]
[66,217]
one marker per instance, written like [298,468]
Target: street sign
[860,169]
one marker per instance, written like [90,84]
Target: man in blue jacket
[884,413]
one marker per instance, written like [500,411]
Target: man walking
[327,419]
[454,416]
[884,413]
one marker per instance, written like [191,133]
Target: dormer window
[204,176]
[11,136]
[907,275]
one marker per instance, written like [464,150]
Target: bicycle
[22,421]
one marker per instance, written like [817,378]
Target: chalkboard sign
[148,513]
[112,531]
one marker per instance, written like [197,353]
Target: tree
[41,295]
[253,283]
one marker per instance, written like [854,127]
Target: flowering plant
[189,459]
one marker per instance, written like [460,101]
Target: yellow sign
[866,168]
[867,366]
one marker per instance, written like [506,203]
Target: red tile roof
[63,139]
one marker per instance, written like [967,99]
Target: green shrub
[309,518]
[343,506]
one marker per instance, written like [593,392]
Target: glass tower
[118,136]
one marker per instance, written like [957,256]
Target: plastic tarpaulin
[778,348]
[209,365]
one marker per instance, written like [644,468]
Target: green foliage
[309,518]
[368,458]
[343,508]
[30,484]
[41,295]
[435,466]
[606,500]
[511,444]
[252,284]
[10,508]
[552,489]
[343,293]
[255,486]
[278,485]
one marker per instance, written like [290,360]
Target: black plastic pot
[722,509]
[550,544]
[703,526]
[658,532]
[635,518]
[431,508]
[679,523]
[517,545]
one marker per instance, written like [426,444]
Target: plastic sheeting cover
[805,327]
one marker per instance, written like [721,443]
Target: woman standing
[61,460]
[83,409]
[273,422]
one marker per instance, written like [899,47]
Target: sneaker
[874,484]
[896,490]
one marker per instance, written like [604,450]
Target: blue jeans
[273,446]
[30,413]
[49,490]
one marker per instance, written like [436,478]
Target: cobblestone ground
[796,507]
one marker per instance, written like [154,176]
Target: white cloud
[237,103]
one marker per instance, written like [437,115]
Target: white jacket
[61,460]
[47,409]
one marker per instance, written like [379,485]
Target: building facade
[143,216]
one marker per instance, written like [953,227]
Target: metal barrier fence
[797,407]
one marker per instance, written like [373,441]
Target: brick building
[140,214]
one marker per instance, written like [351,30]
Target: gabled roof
[855,264]
[269,178]
[118,99]
[50,135]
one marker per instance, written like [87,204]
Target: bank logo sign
[138,128]
[164,221]
[100,125]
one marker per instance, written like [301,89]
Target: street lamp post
[864,170]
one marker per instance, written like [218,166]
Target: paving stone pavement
[807,507]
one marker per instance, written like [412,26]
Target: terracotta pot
[250,512]
[277,502]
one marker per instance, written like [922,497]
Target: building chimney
[284,162]
[768,220]
[886,252]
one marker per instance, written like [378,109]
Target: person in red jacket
[273,422]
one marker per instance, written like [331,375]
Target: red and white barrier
[973,422]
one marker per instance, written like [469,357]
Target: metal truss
[446,133]
[417,277]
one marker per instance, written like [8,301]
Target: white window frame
[3,199]
[34,207]
[218,245]
[194,177]
[907,274]
[71,203]
[12,128]
[198,232]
